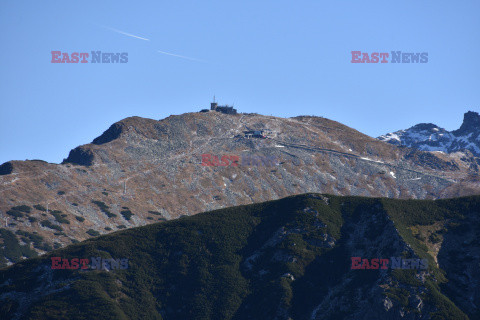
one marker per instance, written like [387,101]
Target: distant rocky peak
[430,137]
[471,123]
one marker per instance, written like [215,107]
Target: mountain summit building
[223,109]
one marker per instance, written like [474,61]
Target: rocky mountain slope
[284,259]
[140,171]
[430,137]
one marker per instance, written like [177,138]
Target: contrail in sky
[145,39]
[179,56]
[125,33]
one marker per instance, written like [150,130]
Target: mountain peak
[471,122]
[430,137]
[144,170]
[427,127]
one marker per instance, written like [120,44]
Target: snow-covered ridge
[430,137]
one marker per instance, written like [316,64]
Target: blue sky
[282,58]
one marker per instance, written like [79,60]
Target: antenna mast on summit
[213,98]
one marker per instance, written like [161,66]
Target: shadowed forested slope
[284,259]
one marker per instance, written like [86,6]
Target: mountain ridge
[430,137]
[142,170]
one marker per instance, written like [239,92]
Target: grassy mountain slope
[282,259]
[141,171]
